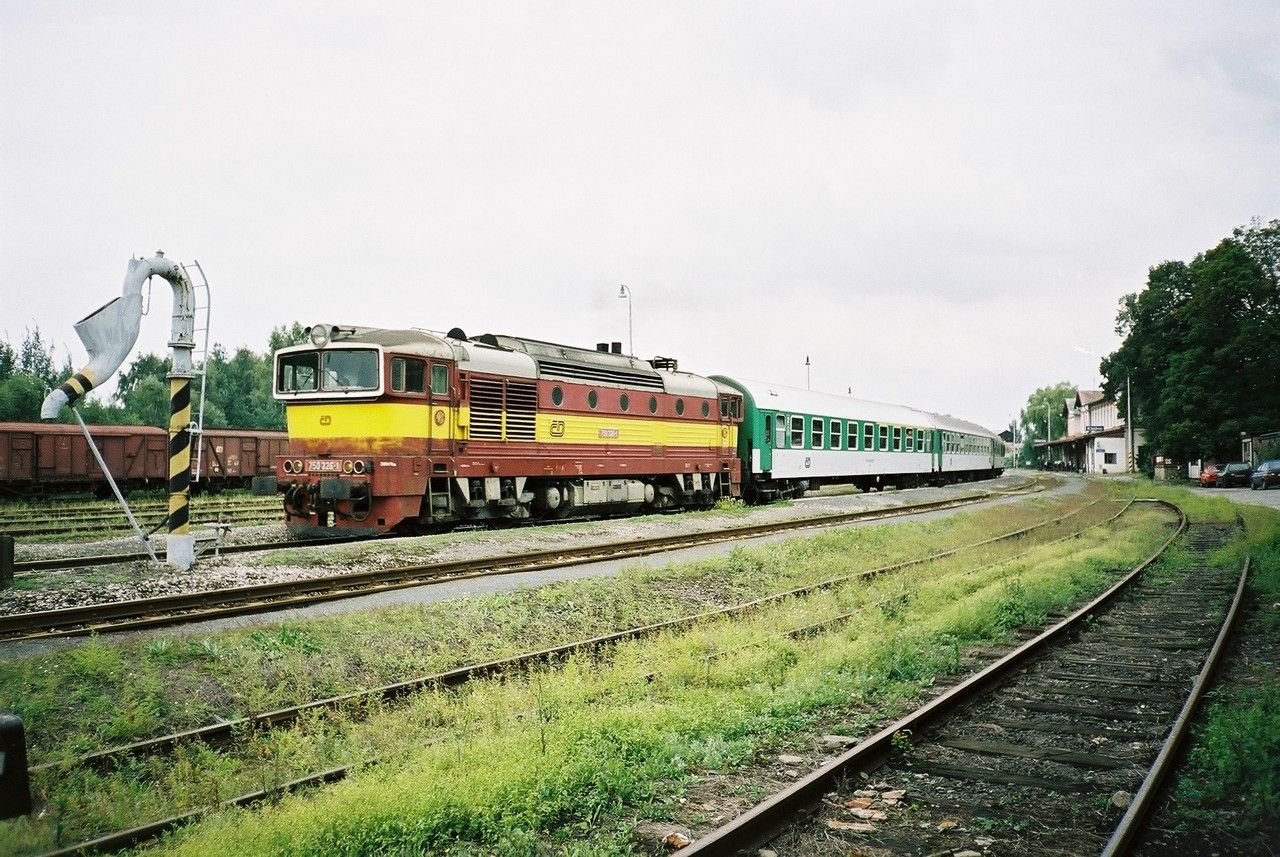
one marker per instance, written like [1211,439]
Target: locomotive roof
[527,358]
[794,400]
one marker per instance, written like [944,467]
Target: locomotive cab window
[439,379]
[408,376]
[298,372]
[345,370]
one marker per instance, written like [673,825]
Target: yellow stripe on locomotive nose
[371,419]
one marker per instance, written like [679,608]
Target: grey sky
[937,203]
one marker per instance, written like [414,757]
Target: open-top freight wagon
[52,458]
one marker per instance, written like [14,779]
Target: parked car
[1266,475]
[1209,476]
[1235,473]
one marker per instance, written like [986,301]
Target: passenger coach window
[439,379]
[897,439]
[408,376]
[910,439]
[815,433]
[869,436]
[780,431]
[298,373]
[835,434]
[884,438]
[797,432]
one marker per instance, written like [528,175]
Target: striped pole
[179,456]
[76,386]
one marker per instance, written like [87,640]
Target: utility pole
[806,372]
[624,292]
[1128,426]
[1048,432]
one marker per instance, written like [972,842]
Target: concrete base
[181,551]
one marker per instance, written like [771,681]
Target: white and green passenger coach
[792,440]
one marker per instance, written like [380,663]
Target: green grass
[760,688]
[1231,781]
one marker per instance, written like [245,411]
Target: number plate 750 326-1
[324,465]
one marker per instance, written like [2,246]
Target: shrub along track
[243,729]
[1049,745]
[222,603]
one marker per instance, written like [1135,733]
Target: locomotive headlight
[297,465]
[359,467]
[288,466]
[320,335]
[348,467]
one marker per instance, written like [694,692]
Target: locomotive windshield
[336,370]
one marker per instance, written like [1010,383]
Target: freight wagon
[52,458]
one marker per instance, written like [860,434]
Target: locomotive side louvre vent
[522,410]
[486,409]
[599,374]
[491,400]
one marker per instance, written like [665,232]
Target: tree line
[237,385]
[1201,348]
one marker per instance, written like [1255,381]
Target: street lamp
[624,292]
[1048,433]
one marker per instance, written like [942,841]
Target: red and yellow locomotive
[414,431]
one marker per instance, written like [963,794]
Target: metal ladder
[199,365]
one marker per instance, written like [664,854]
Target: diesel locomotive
[415,431]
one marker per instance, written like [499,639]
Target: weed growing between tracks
[914,627]
[1227,797]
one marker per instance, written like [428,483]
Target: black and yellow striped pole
[109,334]
[179,455]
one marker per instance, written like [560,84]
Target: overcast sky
[938,204]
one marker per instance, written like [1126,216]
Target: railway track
[67,563]
[1066,740]
[241,730]
[152,516]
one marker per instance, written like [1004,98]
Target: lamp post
[1048,433]
[624,292]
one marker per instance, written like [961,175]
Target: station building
[1097,439]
